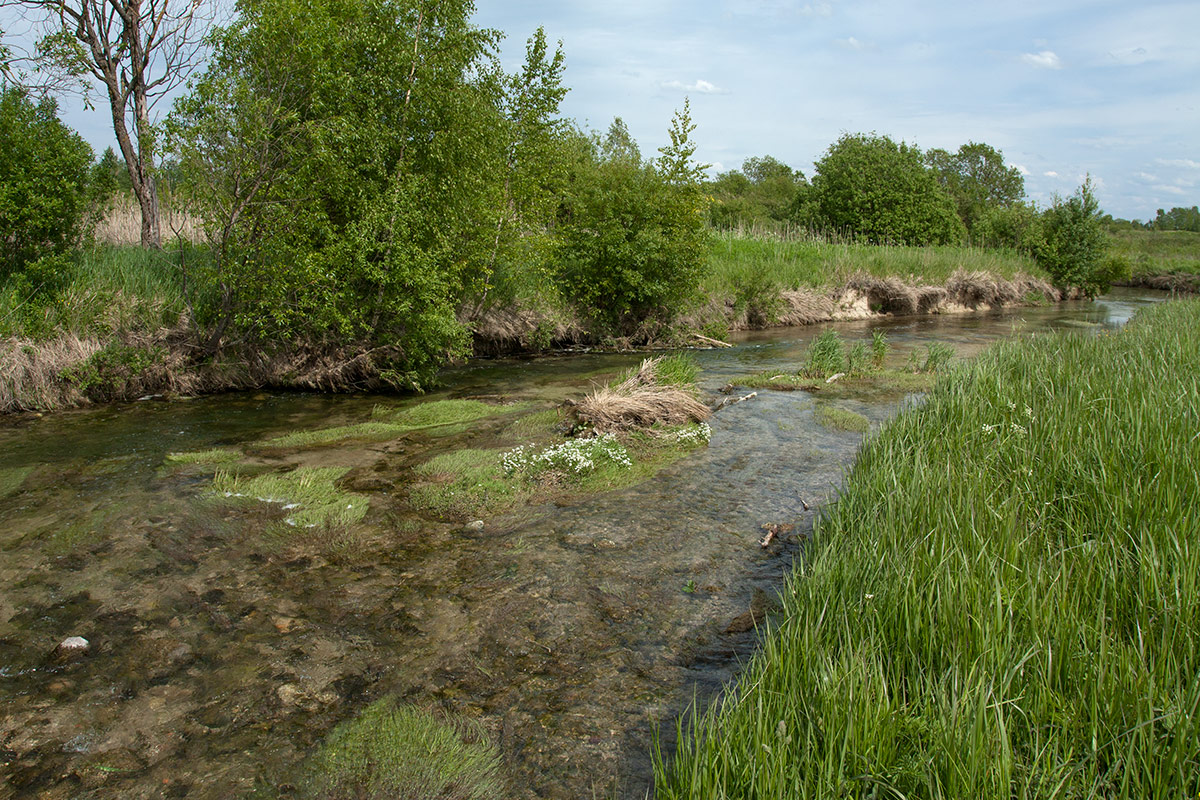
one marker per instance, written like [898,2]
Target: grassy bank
[1004,601]
[1160,259]
[123,323]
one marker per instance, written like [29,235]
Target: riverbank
[1018,619]
[125,326]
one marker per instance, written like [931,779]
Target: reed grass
[1003,602]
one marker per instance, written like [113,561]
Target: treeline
[869,188]
[369,177]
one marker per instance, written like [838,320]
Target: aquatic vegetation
[463,483]
[1004,600]
[879,383]
[215,455]
[434,413]
[393,751]
[937,355]
[841,419]
[307,494]
[574,457]
[446,415]
[11,479]
[538,425]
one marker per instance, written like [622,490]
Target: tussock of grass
[465,483]
[11,479]
[398,751]
[307,494]
[841,419]
[642,399]
[215,455]
[1004,601]
[537,426]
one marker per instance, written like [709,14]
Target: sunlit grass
[841,419]
[308,495]
[215,455]
[1003,602]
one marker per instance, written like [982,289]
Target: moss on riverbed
[308,495]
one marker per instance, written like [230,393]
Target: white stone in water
[72,647]
[477,525]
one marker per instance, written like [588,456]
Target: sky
[1063,88]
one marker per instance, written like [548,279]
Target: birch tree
[134,52]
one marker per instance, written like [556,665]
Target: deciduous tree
[137,51]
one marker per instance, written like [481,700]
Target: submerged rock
[70,649]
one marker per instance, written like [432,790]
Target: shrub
[44,171]
[882,192]
[1073,242]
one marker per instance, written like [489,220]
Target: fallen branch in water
[709,341]
[729,401]
[774,529]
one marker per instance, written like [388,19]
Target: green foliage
[348,160]
[1016,227]
[977,180]
[44,195]
[392,750]
[873,189]
[1004,600]
[826,355]
[632,235]
[107,372]
[1073,243]
[879,348]
[1178,219]
[937,355]
[215,455]
[761,195]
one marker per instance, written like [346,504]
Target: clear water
[223,652]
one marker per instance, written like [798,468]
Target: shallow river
[223,652]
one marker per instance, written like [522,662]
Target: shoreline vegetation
[123,327]
[935,642]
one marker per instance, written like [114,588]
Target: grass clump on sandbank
[308,495]
[626,431]
[832,368]
[842,419]
[393,751]
[1004,601]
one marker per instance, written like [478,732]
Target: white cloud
[851,43]
[1051,174]
[1170,189]
[700,86]
[817,10]
[1146,176]
[1021,169]
[1047,59]
[1187,163]
[1130,55]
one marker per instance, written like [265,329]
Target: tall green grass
[109,289]
[1003,602]
[739,263]
[1158,252]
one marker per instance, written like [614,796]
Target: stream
[223,651]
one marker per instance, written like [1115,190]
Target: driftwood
[774,529]
[729,401]
[710,341]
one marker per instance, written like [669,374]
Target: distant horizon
[1063,89]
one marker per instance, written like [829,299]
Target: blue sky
[1064,88]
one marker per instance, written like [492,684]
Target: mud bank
[1175,282]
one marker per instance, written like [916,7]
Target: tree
[764,191]
[1073,243]
[977,179]
[348,158]
[138,50]
[872,188]
[44,191]
[632,234]
[1178,219]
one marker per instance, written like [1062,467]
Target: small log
[709,341]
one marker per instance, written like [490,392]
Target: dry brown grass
[639,401]
[123,224]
